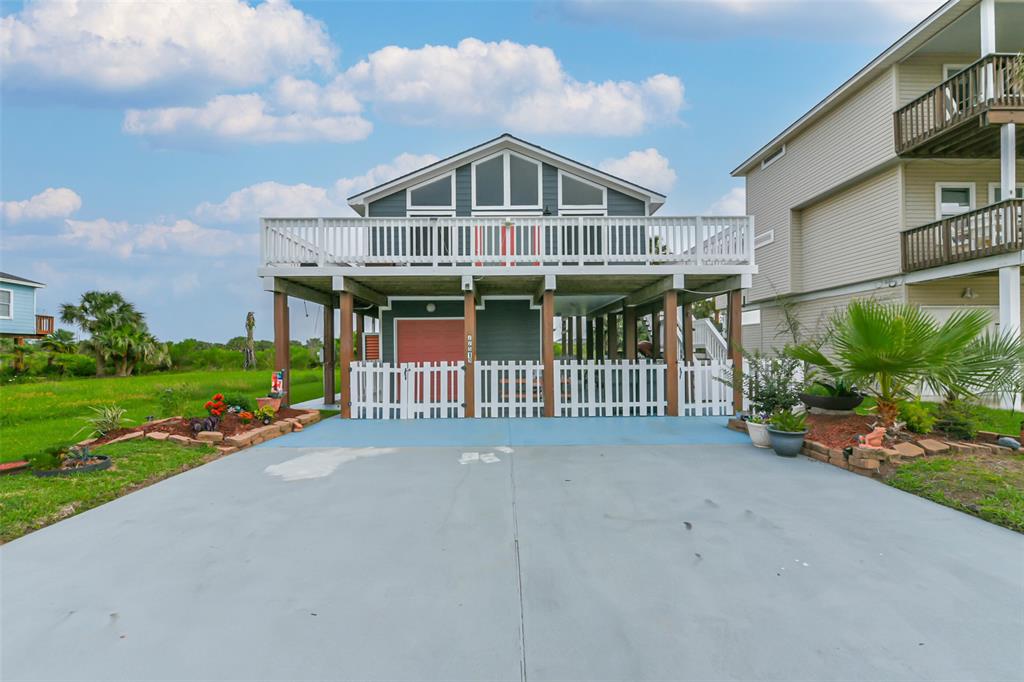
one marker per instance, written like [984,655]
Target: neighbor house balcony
[959,118]
[988,231]
[44,325]
[520,242]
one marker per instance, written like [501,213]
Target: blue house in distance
[18,318]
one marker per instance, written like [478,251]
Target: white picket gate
[609,388]
[509,389]
[413,390]
[702,391]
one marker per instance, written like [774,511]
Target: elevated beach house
[18,317]
[465,267]
[906,183]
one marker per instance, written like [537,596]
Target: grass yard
[37,416]
[28,502]
[991,486]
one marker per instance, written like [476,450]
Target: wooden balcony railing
[988,231]
[993,82]
[514,241]
[44,325]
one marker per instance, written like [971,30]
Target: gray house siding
[391,206]
[549,185]
[463,191]
[23,310]
[621,204]
[506,329]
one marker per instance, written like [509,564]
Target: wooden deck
[988,231]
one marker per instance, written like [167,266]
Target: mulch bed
[838,430]
[230,425]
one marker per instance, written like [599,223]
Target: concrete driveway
[342,553]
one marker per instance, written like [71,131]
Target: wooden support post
[600,346]
[345,306]
[328,355]
[736,346]
[547,322]
[613,336]
[282,342]
[360,327]
[590,339]
[671,355]
[687,332]
[656,333]
[629,332]
[578,338]
[470,343]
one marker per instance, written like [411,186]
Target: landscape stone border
[225,446]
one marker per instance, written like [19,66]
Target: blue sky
[140,141]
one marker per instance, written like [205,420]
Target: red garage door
[429,340]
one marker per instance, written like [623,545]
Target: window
[773,157]
[953,198]
[6,304]
[578,195]
[435,196]
[506,181]
[764,239]
[995,192]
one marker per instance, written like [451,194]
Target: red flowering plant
[216,406]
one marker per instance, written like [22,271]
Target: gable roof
[359,201]
[14,279]
[902,48]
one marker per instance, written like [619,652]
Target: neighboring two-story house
[18,317]
[903,184]
[463,267]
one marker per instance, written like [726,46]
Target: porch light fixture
[431,307]
[969,293]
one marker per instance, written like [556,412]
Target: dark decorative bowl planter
[786,443]
[104,463]
[838,403]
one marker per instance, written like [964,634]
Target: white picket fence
[702,393]
[428,390]
[509,389]
[609,388]
[589,388]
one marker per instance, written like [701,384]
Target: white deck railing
[707,336]
[609,388]
[522,241]
[509,389]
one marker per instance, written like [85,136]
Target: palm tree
[888,349]
[97,312]
[128,345]
[58,341]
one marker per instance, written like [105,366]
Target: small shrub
[957,418]
[238,400]
[47,459]
[917,416]
[107,418]
[785,420]
[264,413]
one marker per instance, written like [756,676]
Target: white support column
[988,42]
[1009,309]
[1008,161]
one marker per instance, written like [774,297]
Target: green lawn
[990,487]
[37,416]
[28,502]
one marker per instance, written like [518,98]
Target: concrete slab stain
[322,462]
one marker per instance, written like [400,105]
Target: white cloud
[184,283]
[270,199]
[245,118]
[647,168]
[124,239]
[875,21]
[522,87]
[733,202]
[116,47]
[50,203]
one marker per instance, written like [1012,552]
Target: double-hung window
[507,181]
[953,198]
[995,192]
[6,304]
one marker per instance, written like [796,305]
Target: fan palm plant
[98,312]
[58,341]
[888,349]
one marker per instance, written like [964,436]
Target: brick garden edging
[225,446]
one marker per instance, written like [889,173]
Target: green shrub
[957,418]
[174,400]
[239,400]
[49,458]
[106,419]
[785,420]
[917,416]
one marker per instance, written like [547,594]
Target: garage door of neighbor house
[432,340]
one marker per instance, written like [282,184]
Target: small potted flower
[264,414]
[786,431]
[757,429]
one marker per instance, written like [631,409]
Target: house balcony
[959,118]
[44,325]
[511,245]
[989,231]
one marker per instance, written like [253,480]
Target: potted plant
[78,459]
[770,385]
[264,414]
[835,395]
[786,430]
[757,429]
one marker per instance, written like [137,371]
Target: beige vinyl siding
[949,292]
[852,236]
[844,144]
[920,176]
[922,72]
